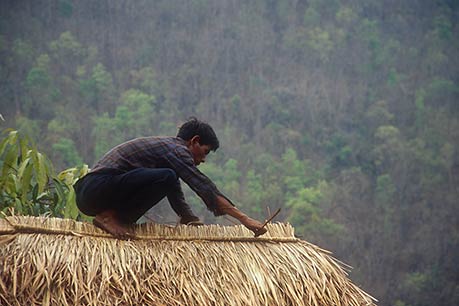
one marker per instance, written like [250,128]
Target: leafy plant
[28,184]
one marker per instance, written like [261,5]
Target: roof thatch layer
[48,261]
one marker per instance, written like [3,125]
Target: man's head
[200,138]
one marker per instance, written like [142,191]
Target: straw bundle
[48,261]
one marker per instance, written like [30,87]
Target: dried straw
[50,261]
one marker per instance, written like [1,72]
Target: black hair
[205,132]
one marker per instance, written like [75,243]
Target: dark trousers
[130,193]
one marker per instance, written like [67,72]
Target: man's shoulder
[172,144]
[170,140]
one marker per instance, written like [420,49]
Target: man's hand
[255,226]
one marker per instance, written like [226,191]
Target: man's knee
[170,177]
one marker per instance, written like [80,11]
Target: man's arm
[180,206]
[183,165]
[227,208]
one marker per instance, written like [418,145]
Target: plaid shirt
[163,152]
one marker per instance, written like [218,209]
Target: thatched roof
[48,261]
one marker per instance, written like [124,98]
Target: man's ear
[195,139]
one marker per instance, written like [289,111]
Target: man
[135,175]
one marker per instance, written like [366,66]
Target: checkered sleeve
[181,161]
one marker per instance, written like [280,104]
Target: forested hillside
[343,113]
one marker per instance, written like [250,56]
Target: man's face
[198,150]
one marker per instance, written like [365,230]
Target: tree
[41,92]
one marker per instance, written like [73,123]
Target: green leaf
[18,206]
[48,167]
[36,208]
[35,192]
[56,200]
[67,176]
[71,209]
[58,187]
[59,197]
[12,137]
[23,165]
[23,142]
[10,161]
[83,171]
[42,176]
[25,177]
[11,185]
[3,145]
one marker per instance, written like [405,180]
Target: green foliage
[23,50]
[140,108]
[443,27]
[295,172]
[399,303]
[416,281]
[420,108]
[29,127]
[41,92]
[146,80]
[254,187]
[389,146]
[66,47]
[232,177]
[326,8]
[388,134]
[394,77]
[38,77]
[67,150]
[376,53]
[66,194]
[106,133]
[441,93]
[320,42]
[97,90]
[134,117]
[102,78]
[311,17]
[103,85]
[385,189]
[65,8]
[346,15]
[315,43]
[339,150]
[369,31]
[307,215]
[438,86]
[233,107]
[26,181]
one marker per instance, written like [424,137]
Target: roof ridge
[277,232]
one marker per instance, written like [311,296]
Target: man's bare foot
[191,220]
[109,222]
[195,223]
